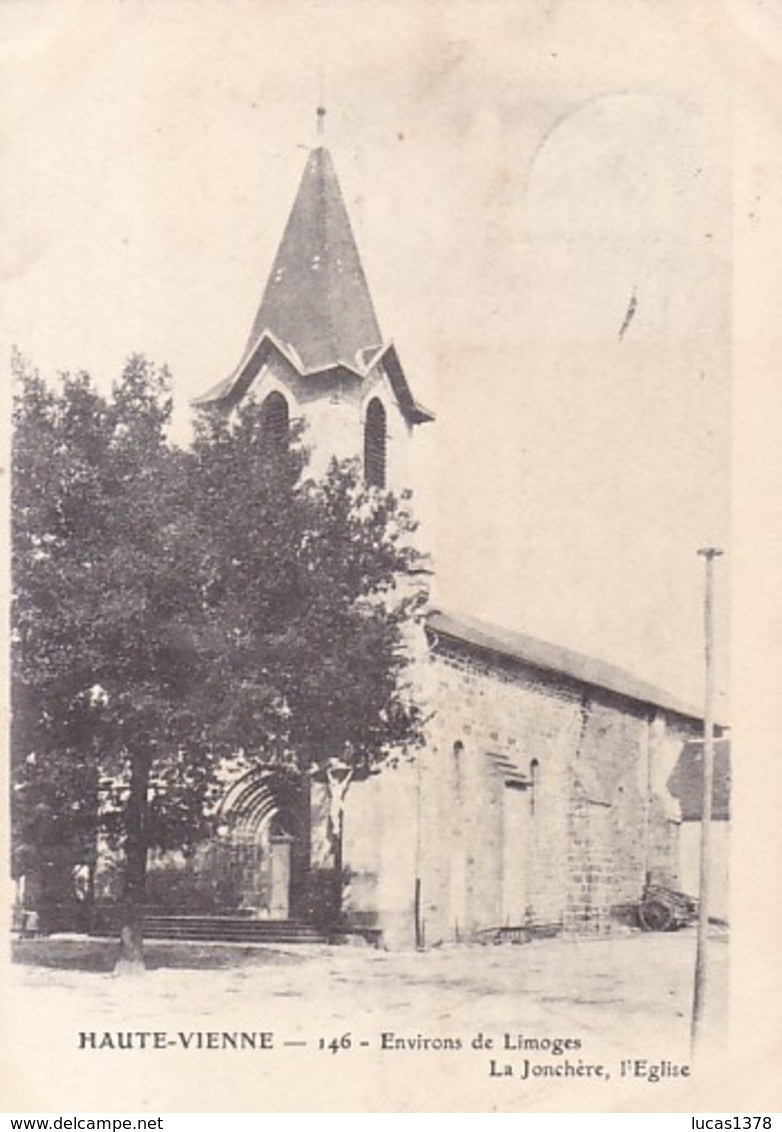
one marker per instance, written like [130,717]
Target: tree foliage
[172,609]
[106,616]
[312,589]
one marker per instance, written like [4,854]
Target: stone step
[230,929]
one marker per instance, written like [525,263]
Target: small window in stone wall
[375,444]
[534,785]
[458,767]
[274,422]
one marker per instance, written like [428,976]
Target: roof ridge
[333,264]
[320,152]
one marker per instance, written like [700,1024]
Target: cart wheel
[655,915]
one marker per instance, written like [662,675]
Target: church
[539,802]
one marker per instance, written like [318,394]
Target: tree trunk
[131,959]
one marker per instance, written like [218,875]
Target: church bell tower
[315,351]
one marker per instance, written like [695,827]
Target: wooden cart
[664,910]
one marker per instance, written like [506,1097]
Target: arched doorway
[264,841]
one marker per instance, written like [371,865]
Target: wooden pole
[700,992]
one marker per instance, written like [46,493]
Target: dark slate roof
[686,781]
[317,299]
[316,310]
[230,390]
[574,667]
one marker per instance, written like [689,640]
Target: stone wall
[515,738]
[535,804]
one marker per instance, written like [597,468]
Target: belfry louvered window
[375,444]
[274,427]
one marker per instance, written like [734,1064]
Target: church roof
[316,310]
[231,390]
[317,299]
[575,667]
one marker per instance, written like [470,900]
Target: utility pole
[709,553]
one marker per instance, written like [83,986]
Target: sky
[520,176]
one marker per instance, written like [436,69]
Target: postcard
[392,675]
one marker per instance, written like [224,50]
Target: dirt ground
[354,1028]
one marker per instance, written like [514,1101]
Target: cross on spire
[321,121]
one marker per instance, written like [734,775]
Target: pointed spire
[317,299]
[316,307]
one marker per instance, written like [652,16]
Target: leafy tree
[172,609]
[53,815]
[315,588]
[106,615]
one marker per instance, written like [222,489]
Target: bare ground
[613,999]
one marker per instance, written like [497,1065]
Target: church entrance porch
[255,866]
[250,872]
[265,842]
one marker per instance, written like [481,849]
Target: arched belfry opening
[375,444]
[275,422]
[315,346]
